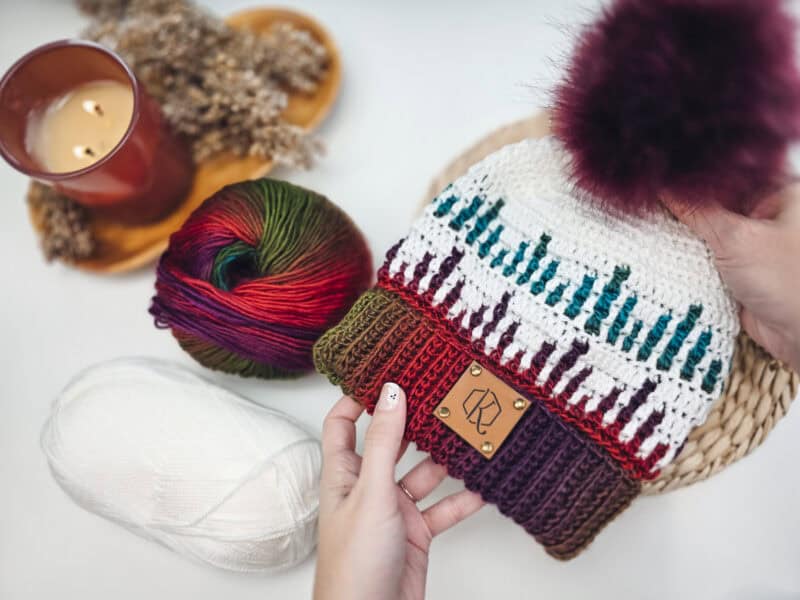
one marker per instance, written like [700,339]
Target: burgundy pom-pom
[695,98]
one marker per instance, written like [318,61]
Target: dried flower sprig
[225,89]
[65,226]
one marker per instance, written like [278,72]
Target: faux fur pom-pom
[696,98]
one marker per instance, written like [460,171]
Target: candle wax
[79,128]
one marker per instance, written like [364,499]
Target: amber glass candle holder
[141,179]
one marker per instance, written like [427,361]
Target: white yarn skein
[181,461]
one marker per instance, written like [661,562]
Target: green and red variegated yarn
[256,274]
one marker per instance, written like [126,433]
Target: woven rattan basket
[758,392]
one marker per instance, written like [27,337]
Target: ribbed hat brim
[547,476]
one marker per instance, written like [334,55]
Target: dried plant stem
[223,88]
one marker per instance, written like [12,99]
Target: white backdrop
[422,80]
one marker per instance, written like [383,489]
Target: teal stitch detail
[498,260]
[580,297]
[682,331]
[710,380]
[627,343]
[695,355]
[533,264]
[554,296]
[466,214]
[653,337]
[486,246]
[511,268]
[538,286]
[621,319]
[603,305]
[483,221]
[445,206]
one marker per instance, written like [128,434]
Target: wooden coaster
[758,391]
[121,247]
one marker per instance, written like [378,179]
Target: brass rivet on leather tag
[482,409]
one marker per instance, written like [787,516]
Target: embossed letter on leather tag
[482,409]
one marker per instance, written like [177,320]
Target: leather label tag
[482,409]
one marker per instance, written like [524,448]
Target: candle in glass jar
[73,114]
[80,127]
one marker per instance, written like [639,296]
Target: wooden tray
[123,247]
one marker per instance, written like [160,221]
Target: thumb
[713,223]
[384,436]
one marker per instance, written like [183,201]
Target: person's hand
[373,539]
[759,260]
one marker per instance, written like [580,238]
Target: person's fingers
[768,337]
[423,478]
[752,326]
[339,427]
[778,205]
[720,228]
[403,447]
[384,437]
[340,463]
[769,207]
[451,510]
[789,214]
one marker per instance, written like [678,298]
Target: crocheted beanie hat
[604,341]
[554,353]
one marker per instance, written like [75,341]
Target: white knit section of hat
[671,269]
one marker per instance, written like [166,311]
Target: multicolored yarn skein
[256,274]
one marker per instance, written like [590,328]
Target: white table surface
[423,80]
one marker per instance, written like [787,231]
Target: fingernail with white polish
[390,396]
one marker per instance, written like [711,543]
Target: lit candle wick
[91,106]
[80,127]
[82,151]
